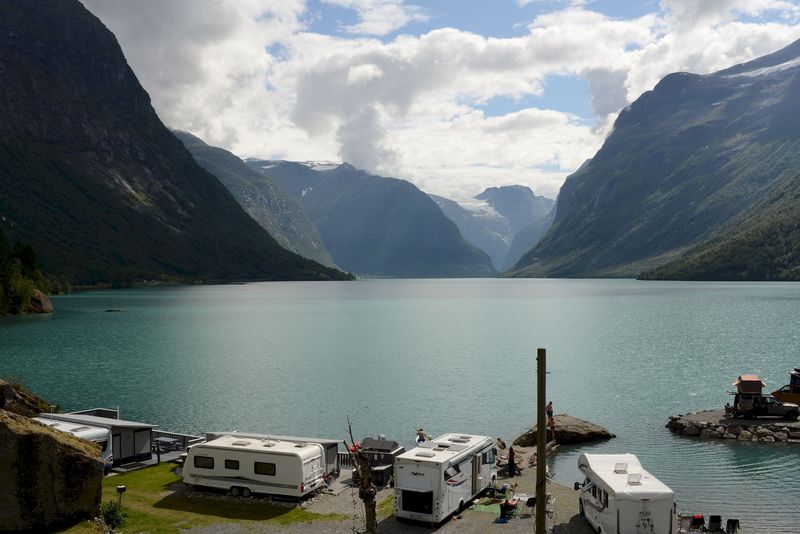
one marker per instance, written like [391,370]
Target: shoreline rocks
[713,425]
[569,430]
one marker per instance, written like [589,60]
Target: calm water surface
[449,355]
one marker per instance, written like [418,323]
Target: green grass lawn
[151,504]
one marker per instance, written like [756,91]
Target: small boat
[791,391]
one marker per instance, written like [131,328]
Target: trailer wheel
[234,491]
[246,493]
[791,416]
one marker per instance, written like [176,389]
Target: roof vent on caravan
[621,468]
[300,445]
[240,443]
[460,439]
[269,443]
[634,479]
[426,454]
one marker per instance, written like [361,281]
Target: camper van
[441,476]
[95,434]
[249,465]
[619,496]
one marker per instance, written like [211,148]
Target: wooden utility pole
[541,438]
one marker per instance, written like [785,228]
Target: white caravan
[441,476]
[619,497]
[95,434]
[248,465]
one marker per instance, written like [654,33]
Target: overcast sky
[454,95]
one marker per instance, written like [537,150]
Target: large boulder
[50,479]
[569,430]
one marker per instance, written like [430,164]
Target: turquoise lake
[448,355]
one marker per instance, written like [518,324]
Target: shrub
[112,515]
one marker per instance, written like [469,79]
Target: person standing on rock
[549,410]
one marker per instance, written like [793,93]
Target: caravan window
[232,464]
[204,462]
[450,472]
[488,457]
[263,468]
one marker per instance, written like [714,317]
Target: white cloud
[251,77]
[380,17]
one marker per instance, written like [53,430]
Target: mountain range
[93,180]
[699,180]
[377,226]
[505,222]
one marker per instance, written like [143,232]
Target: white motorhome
[95,434]
[250,465]
[441,476]
[619,496]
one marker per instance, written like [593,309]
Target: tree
[366,489]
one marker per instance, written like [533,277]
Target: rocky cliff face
[684,162]
[49,479]
[94,181]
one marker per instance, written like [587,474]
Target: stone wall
[49,479]
[764,431]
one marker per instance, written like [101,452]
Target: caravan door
[476,474]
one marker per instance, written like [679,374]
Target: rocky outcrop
[50,479]
[710,425]
[15,398]
[569,430]
[40,303]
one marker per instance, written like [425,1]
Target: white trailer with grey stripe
[249,465]
[442,476]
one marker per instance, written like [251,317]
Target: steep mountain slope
[528,237]
[262,199]
[92,179]
[761,244]
[378,226]
[505,222]
[684,160]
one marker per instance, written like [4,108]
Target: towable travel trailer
[249,465]
[331,446]
[95,434]
[441,476]
[619,497]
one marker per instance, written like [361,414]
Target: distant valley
[505,222]
[377,226]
